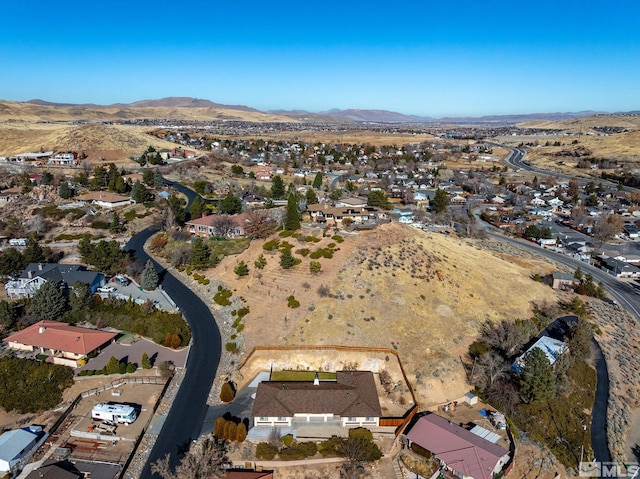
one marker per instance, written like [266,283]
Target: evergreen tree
[146,362]
[139,193]
[80,298]
[148,177]
[537,380]
[379,199]
[311,197]
[241,269]
[198,207]
[260,262]
[7,315]
[231,204]
[277,188]
[12,262]
[440,201]
[116,226]
[149,278]
[199,253]
[286,259]
[48,302]
[158,180]
[241,432]
[227,393]
[113,366]
[33,253]
[292,217]
[177,206]
[65,190]
[317,181]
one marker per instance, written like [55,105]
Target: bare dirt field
[423,295]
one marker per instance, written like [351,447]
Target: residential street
[187,414]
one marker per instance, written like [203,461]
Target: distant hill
[169,102]
[513,119]
[381,116]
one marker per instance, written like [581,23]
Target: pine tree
[317,181]
[277,188]
[146,362]
[440,201]
[311,197]
[260,262]
[286,259]
[199,253]
[80,298]
[149,278]
[116,225]
[292,217]
[65,190]
[241,269]
[231,204]
[218,428]
[198,207]
[7,315]
[48,302]
[537,380]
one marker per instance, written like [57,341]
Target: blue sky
[416,57]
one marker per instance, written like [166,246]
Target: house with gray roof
[17,446]
[64,275]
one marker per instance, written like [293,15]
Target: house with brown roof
[330,214]
[105,199]
[63,343]
[350,400]
[467,455]
[207,226]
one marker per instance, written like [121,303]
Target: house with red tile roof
[63,343]
[248,474]
[466,454]
[350,400]
[216,225]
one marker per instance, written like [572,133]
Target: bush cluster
[292,302]
[222,296]
[229,429]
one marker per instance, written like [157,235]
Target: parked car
[121,280]
[106,289]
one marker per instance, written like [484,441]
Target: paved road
[626,296]
[189,408]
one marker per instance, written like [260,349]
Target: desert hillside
[425,295]
[630,122]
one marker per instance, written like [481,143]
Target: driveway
[132,353]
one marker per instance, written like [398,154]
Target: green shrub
[271,245]
[329,447]
[240,328]
[337,238]
[303,251]
[478,348]
[361,432]
[99,225]
[222,296]
[311,239]
[285,234]
[292,302]
[242,312]
[231,347]
[266,451]
[131,368]
[287,440]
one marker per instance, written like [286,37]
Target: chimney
[30,274]
[40,266]
[316,380]
[41,329]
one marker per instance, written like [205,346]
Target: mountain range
[333,115]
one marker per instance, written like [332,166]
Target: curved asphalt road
[619,291]
[184,421]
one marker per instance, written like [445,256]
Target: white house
[552,348]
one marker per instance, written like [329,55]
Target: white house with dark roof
[351,400]
[64,275]
[17,446]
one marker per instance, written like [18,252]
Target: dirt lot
[106,447]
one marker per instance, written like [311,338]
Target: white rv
[115,413]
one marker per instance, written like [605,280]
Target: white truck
[115,413]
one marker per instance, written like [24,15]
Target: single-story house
[620,269]
[207,226]
[16,446]
[65,344]
[351,202]
[64,275]
[326,213]
[105,199]
[464,453]
[562,280]
[350,400]
[552,348]
[10,194]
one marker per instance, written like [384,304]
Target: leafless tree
[489,367]
[205,459]
[507,336]
[259,225]
[223,225]
[274,436]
